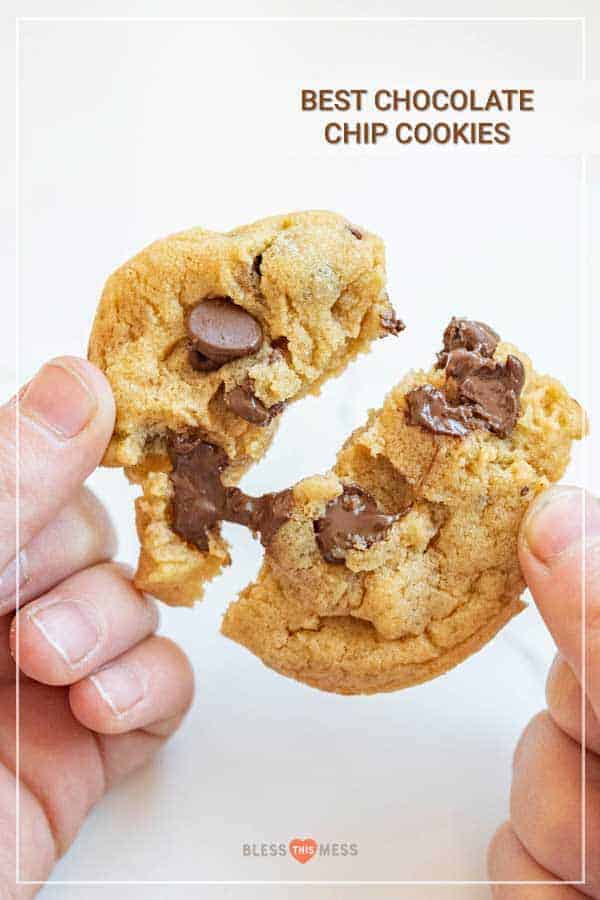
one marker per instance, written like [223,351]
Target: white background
[132,130]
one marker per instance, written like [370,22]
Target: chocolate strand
[201,500]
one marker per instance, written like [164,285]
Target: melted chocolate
[479,392]
[469,335]
[244,403]
[429,407]
[201,500]
[351,521]
[492,394]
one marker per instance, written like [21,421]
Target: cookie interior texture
[442,579]
[316,287]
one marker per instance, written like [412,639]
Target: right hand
[542,840]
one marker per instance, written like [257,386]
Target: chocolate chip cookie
[205,339]
[402,561]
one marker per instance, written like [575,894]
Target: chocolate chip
[201,363]
[244,403]
[479,391]
[281,344]
[220,330]
[256,264]
[390,322]
[524,491]
[201,500]
[355,232]
[351,521]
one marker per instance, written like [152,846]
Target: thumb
[64,419]
[559,551]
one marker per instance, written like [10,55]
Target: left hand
[99,692]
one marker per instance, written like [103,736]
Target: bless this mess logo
[301,849]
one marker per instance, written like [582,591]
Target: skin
[100,692]
[542,840]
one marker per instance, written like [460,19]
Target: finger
[563,694]
[80,625]
[509,861]
[148,687]
[65,418]
[124,753]
[7,663]
[64,770]
[560,558]
[546,808]
[58,760]
[81,535]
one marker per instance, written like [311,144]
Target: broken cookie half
[205,338]
[402,561]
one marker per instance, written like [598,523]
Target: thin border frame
[583,262]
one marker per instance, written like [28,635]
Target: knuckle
[97,522]
[501,840]
[152,612]
[544,805]
[592,589]
[563,695]
[108,573]
[529,737]
[8,469]
[180,663]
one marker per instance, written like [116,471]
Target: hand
[99,692]
[542,841]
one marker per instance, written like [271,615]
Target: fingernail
[120,687]
[59,399]
[560,519]
[8,578]
[70,627]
